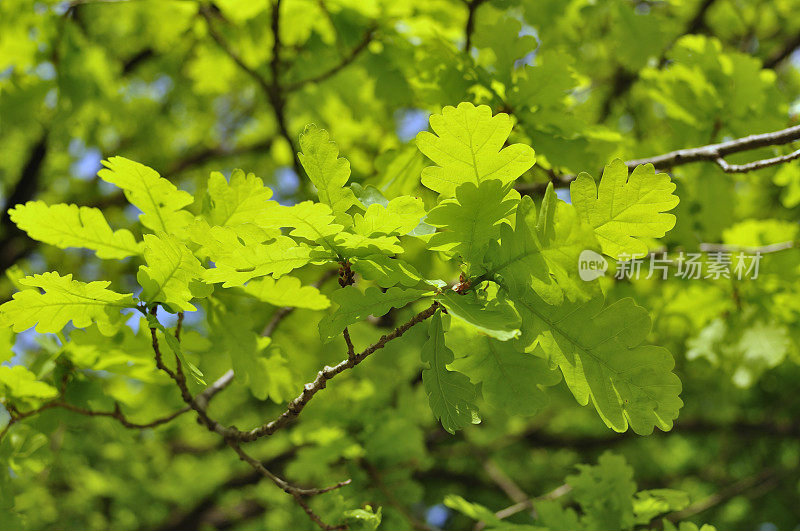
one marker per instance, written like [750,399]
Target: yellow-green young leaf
[21,383]
[563,237]
[63,300]
[600,352]
[255,363]
[236,262]
[357,245]
[65,226]
[243,200]
[7,339]
[623,209]
[287,292]
[159,200]
[469,148]
[328,172]
[451,395]
[397,217]
[470,221]
[355,306]
[518,262]
[308,220]
[170,268]
[386,271]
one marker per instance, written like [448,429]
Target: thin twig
[321,381]
[756,165]
[284,485]
[115,414]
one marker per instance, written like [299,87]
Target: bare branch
[321,381]
[351,350]
[756,165]
[710,153]
[714,151]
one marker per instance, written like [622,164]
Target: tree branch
[321,381]
[472,6]
[115,414]
[343,63]
[784,53]
[271,88]
[711,153]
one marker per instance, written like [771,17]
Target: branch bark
[715,153]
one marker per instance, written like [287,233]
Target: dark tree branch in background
[711,153]
[784,53]
[755,485]
[472,6]
[11,246]
[623,80]
[116,414]
[271,88]
[346,60]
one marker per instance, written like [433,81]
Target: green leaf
[328,172]
[451,395]
[245,200]
[7,338]
[553,516]
[366,518]
[472,510]
[159,200]
[600,352]
[170,268]
[623,209]
[489,314]
[287,292]
[22,383]
[563,237]
[175,346]
[355,306]
[471,220]
[468,149]
[605,493]
[518,261]
[511,380]
[650,503]
[63,300]
[309,220]
[386,271]
[66,226]
[397,217]
[357,245]
[236,262]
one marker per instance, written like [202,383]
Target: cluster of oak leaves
[526,315]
